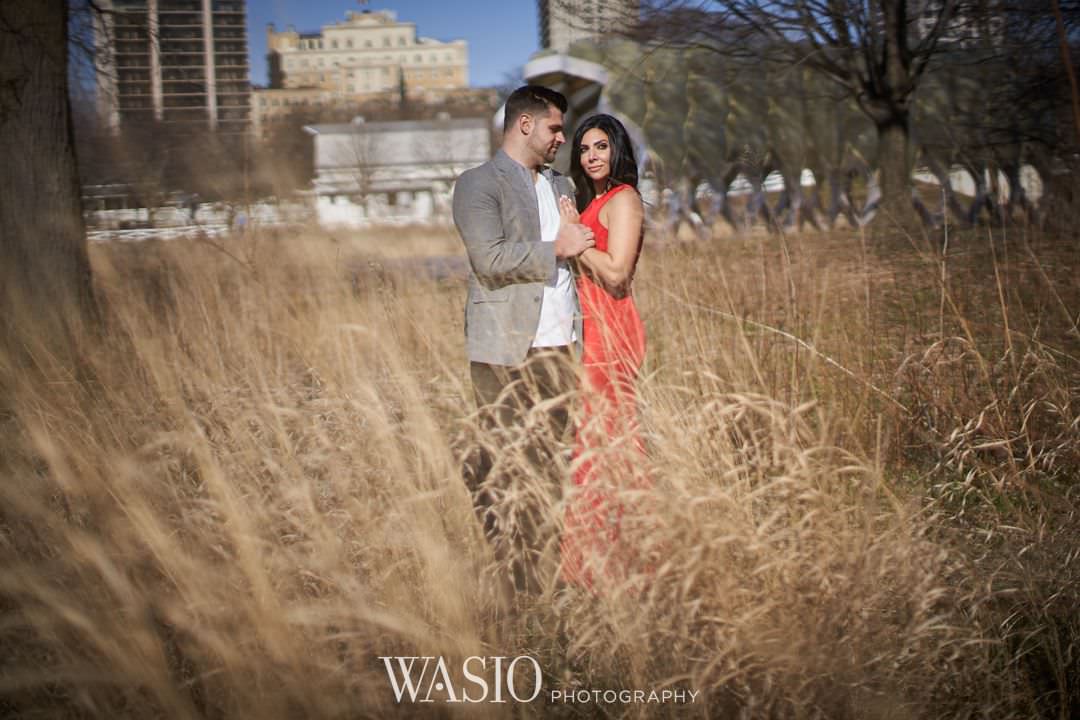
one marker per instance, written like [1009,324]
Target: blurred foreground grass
[247,489]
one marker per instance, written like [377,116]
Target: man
[521,317]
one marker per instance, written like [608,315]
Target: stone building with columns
[369,56]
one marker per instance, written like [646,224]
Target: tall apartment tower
[564,22]
[968,27]
[181,62]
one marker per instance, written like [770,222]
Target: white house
[393,171]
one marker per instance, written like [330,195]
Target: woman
[609,450]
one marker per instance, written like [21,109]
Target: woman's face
[595,153]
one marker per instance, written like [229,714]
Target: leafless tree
[875,52]
[997,102]
[709,117]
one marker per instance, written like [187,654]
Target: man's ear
[525,123]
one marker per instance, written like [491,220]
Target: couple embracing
[550,318]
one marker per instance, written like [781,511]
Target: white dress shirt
[556,325]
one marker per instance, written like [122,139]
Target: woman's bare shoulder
[626,201]
[625,204]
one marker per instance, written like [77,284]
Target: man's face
[547,134]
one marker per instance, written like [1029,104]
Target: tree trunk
[889,109]
[44,264]
[894,164]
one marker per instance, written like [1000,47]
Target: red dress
[608,449]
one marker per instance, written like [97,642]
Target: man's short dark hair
[531,100]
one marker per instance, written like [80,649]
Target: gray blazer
[497,216]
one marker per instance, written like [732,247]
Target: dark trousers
[517,471]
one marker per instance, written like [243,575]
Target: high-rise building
[181,62]
[959,26]
[967,27]
[564,22]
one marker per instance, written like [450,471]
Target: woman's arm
[625,216]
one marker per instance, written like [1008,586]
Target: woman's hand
[568,214]
[573,238]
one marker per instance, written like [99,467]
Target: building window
[348,43]
[367,43]
[386,41]
[333,44]
[401,40]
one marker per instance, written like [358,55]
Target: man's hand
[573,238]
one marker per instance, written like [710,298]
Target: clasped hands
[573,238]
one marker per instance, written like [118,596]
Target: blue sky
[501,34]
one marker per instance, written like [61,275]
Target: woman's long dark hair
[623,165]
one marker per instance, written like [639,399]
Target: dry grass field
[247,489]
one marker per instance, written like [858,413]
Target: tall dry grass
[247,489]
